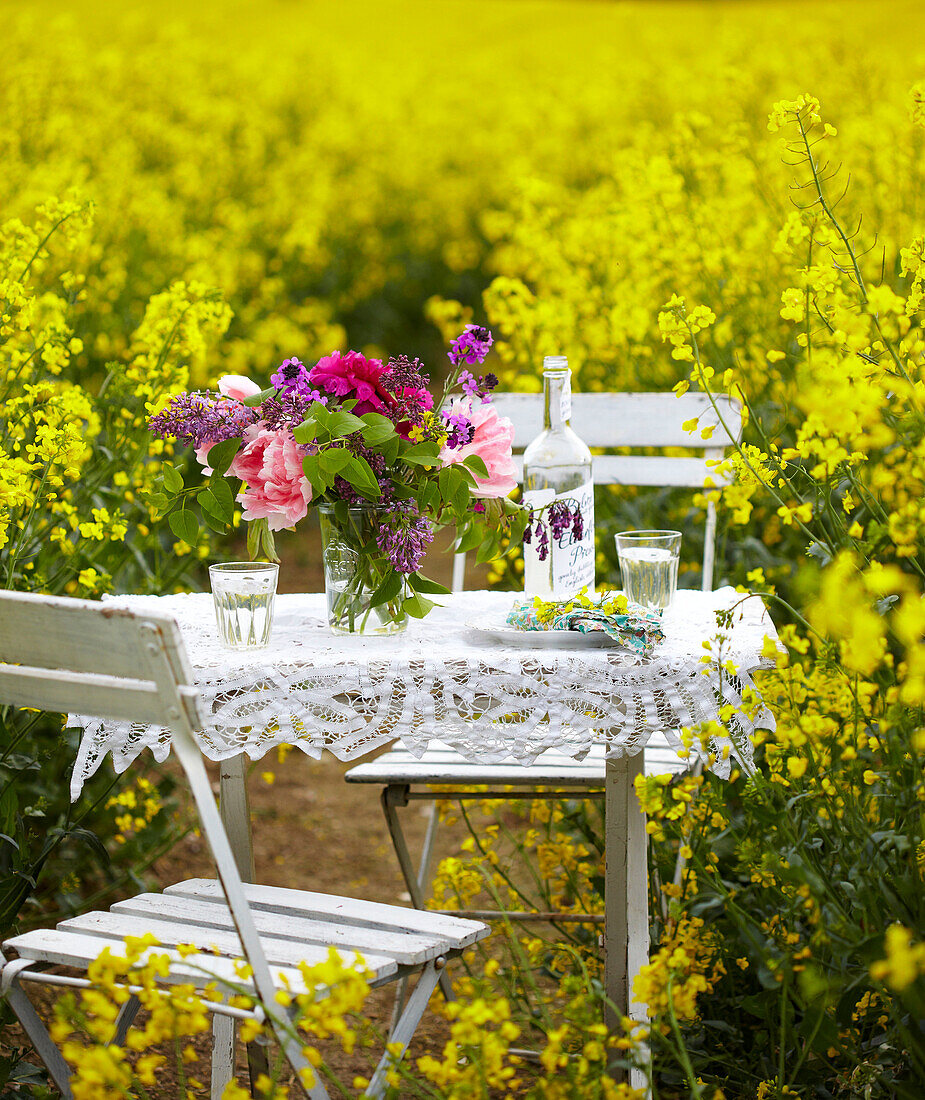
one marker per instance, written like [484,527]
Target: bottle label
[571,559]
[565,401]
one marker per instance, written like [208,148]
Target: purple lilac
[402,373]
[289,409]
[471,346]
[404,535]
[197,419]
[405,379]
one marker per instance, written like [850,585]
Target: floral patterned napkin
[631,626]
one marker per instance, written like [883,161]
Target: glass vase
[356,570]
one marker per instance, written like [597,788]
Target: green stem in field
[855,266]
[684,1058]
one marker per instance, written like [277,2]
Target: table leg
[236,817]
[626,894]
[236,813]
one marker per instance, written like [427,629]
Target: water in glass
[243,594]
[649,566]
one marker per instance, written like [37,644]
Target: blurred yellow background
[331,166]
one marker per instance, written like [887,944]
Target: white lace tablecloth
[437,681]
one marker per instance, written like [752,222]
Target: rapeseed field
[719,195]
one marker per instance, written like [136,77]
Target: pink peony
[238,386]
[492,441]
[275,489]
[350,375]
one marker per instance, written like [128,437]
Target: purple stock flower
[198,419]
[471,346]
[477,388]
[459,429]
[291,379]
[404,535]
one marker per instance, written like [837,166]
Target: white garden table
[489,701]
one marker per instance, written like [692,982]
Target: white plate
[542,639]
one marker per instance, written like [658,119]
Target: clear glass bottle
[557,466]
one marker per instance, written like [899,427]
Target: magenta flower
[275,488]
[350,375]
[492,440]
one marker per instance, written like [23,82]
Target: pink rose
[350,375]
[275,488]
[238,386]
[492,441]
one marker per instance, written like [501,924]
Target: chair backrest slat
[611,420]
[79,657]
[79,635]
[84,693]
[635,421]
[653,471]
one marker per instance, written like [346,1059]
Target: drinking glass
[243,593]
[649,565]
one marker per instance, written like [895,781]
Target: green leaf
[430,496]
[217,502]
[360,475]
[268,543]
[312,470]
[258,398]
[222,454]
[160,502]
[305,432]
[377,431]
[213,521]
[461,499]
[421,583]
[488,549]
[209,504]
[389,450]
[466,474]
[416,606]
[421,454]
[469,540]
[253,537]
[476,465]
[222,492]
[334,460]
[184,525]
[388,590]
[173,481]
[344,423]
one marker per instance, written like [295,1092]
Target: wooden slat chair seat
[80,657]
[443,765]
[605,421]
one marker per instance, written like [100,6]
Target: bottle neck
[557,395]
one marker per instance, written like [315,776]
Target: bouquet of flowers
[366,443]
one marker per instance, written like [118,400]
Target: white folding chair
[605,421]
[81,657]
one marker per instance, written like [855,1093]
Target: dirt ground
[314,830]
